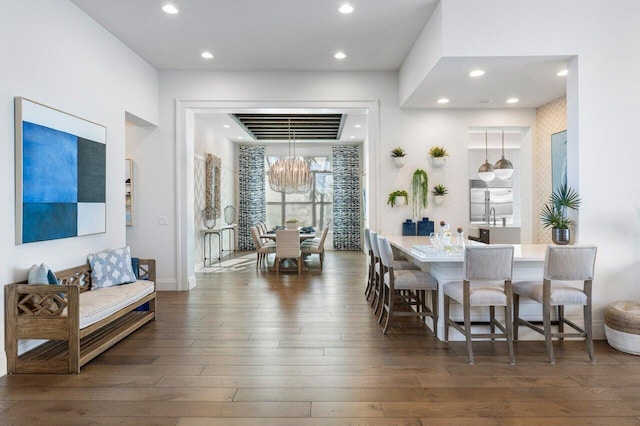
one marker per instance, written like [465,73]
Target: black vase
[561,236]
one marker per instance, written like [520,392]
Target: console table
[207,233]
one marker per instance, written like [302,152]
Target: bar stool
[561,264]
[490,268]
[371,264]
[405,287]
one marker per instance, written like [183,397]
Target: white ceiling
[265,34]
[302,35]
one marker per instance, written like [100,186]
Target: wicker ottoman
[622,326]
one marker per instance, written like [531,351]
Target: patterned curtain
[253,203]
[346,198]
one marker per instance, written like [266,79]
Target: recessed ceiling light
[170,9]
[476,73]
[562,73]
[513,100]
[226,126]
[340,55]
[352,137]
[240,137]
[345,8]
[357,126]
[443,101]
[207,55]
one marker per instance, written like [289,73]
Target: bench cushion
[96,305]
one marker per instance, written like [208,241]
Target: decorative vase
[398,162]
[409,227]
[425,227]
[561,236]
[291,224]
[438,200]
[437,162]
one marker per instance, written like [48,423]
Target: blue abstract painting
[60,174]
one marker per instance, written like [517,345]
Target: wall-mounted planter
[438,162]
[438,200]
[398,162]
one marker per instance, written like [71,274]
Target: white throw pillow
[111,268]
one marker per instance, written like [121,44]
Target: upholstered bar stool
[487,282]
[397,264]
[562,264]
[371,264]
[407,287]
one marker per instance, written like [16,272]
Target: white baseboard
[173,285]
[3,366]
[167,285]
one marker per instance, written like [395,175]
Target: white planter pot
[438,200]
[401,201]
[437,162]
[291,225]
[398,161]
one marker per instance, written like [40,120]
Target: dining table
[303,236]
[446,266]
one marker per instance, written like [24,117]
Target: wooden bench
[52,312]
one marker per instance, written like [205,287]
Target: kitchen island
[528,264]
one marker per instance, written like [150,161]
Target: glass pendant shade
[503,168]
[290,174]
[485,172]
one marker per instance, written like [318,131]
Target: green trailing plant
[395,194]
[554,213]
[439,190]
[398,152]
[420,191]
[438,151]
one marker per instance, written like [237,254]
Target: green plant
[398,152]
[438,151]
[420,189]
[554,213]
[395,194]
[439,190]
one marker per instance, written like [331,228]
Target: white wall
[54,54]
[210,141]
[602,110]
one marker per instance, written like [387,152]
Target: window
[312,209]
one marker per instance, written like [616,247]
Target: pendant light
[485,172]
[503,168]
[291,174]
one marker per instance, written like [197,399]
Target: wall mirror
[212,187]
[128,184]
[558,160]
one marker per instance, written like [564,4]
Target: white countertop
[418,247]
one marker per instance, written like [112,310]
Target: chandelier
[291,174]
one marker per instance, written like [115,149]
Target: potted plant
[400,198]
[398,155]
[438,155]
[439,192]
[420,189]
[554,213]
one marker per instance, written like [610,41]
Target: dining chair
[313,247]
[405,288]
[263,229]
[262,249]
[564,266]
[487,279]
[288,247]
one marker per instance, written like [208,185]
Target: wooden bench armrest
[147,269]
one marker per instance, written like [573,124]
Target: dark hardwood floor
[249,347]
